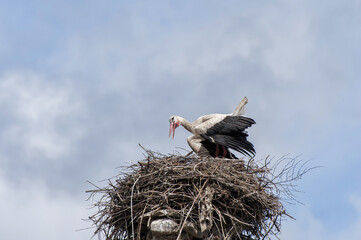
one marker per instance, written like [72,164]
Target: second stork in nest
[214,134]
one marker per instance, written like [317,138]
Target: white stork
[214,134]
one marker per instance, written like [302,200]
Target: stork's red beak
[172,127]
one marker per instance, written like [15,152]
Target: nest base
[190,197]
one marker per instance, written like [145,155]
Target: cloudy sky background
[83,82]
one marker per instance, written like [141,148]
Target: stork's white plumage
[214,134]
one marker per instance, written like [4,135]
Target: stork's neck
[187,125]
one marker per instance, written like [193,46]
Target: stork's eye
[172,118]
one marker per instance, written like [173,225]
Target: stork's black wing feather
[230,132]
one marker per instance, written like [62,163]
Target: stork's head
[174,123]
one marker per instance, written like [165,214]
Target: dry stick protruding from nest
[246,201]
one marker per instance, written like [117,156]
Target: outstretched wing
[230,132]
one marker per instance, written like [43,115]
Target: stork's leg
[224,151]
[217,150]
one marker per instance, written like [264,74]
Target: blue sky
[83,82]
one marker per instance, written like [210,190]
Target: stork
[214,134]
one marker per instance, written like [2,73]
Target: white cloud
[288,39]
[30,211]
[353,231]
[39,112]
[307,226]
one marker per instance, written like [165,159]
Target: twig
[131,206]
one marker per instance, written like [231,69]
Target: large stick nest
[240,200]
